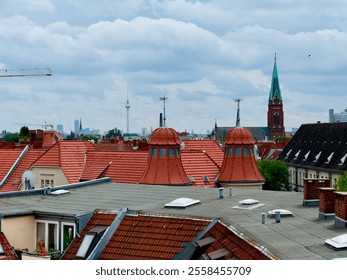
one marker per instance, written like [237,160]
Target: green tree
[24,131]
[11,137]
[276,175]
[341,184]
[113,132]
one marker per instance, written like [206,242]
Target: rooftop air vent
[296,155]
[306,156]
[337,243]
[283,213]
[343,159]
[287,155]
[329,158]
[182,202]
[317,156]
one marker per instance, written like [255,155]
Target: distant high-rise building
[337,117]
[60,128]
[76,126]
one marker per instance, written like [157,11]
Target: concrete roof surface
[297,238]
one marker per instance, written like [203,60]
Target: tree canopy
[341,184]
[276,175]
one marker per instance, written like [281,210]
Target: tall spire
[238,124]
[275,91]
[127,106]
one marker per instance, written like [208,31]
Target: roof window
[337,243]
[297,154]
[205,179]
[317,156]
[182,202]
[329,158]
[306,156]
[287,155]
[89,241]
[343,159]
[2,251]
[60,192]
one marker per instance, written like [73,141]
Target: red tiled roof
[197,164]
[124,167]
[151,238]
[164,136]
[69,155]
[15,179]
[209,146]
[6,246]
[7,159]
[239,135]
[145,237]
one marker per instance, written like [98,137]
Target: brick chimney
[341,210]
[326,203]
[311,190]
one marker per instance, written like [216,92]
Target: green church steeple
[275,91]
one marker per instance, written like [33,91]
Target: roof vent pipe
[221,192]
[263,218]
[278,216]
[230,191]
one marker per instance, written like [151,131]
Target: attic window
[218,254]
[191,179]
[329,158]
[317,156]
[205,179]
[287,155]
[343,159]
[2,251]
[297,154]
[337,243]
[182,202]
[306,156]
[89,241]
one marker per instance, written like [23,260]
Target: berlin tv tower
[127,106]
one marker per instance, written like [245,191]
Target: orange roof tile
[69,155]
[9,253]
[124,167]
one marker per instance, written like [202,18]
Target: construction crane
[7,73]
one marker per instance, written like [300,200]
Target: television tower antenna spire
[164,99]
[127,106]
[238,100]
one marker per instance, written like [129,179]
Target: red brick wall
[341,205]
[311,187]
[327,200]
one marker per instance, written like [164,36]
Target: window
[246,151]
[85,245]
[178,152]
[162,152]
[67,234]
[154,152]
[238,151]
[230,152]
[2,252]
[171,152]
[47,234]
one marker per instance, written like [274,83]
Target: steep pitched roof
[8,252]
[319,145]
[148,237]
[275,91]
[15,178]
[125,167]
[69,155]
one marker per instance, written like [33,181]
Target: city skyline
[201,55]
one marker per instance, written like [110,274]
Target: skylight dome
[283,213]
[338,243]
[182,202]
[249,201]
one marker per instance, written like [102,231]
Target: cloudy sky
[201,55]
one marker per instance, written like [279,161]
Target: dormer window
[238,151]
[317,156]
[306,156]
[230,152]
[163,152]
[171,152]
[329,158]
[343,159]
[154,152]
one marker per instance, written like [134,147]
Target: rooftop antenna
[238,100]
[127,106]
[164,99]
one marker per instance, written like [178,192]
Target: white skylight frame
[248,201]
[283,213]
[339,242]
[85,245]
[182,202]
[60,192]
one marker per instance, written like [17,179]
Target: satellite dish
[182,145]
[29,179]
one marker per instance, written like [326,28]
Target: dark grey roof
[318,146]
[299,237]
[259,133]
